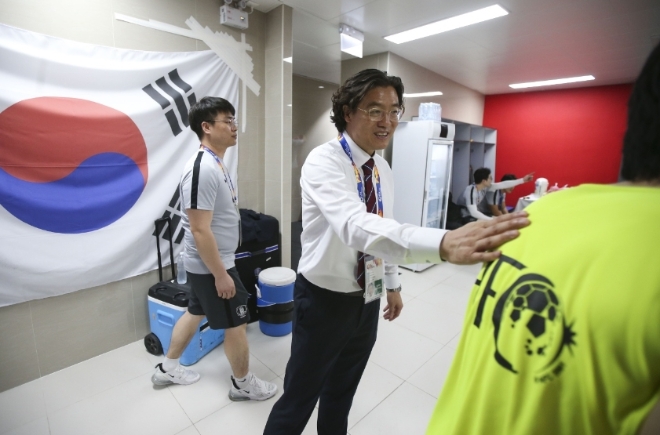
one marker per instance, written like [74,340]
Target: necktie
[370,200]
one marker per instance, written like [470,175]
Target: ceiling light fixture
[552,82]
[351,40]
[423,94]
[288,59]
[448,24]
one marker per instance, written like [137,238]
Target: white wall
[311,127]
[458,102]
[43,336]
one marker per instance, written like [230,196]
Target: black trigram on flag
[174,211]
[176,89]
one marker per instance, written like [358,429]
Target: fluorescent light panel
[350,40]
[423,94]
[288,59]
[351,45]
[552,82]
[448,24]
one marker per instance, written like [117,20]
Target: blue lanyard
[358,178]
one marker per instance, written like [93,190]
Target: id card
[374,271]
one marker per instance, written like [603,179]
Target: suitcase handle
[168,220]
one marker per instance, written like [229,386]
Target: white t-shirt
[204,186]
[496,198]
[472,197]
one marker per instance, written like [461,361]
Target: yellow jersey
[562,332]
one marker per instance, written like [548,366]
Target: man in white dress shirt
[347,210]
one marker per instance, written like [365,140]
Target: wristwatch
[394,290]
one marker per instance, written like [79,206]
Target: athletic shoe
[255,389]
[177,376]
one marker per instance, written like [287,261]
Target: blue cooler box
[275,300]
[167,302]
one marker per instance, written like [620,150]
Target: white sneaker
[256,389]
[177,376]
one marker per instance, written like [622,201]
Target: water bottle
[181,277]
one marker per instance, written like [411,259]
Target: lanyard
[358,177]
[232,191]
[228,181]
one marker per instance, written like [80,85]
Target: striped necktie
[372,207]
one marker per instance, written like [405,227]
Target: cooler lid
[277,276]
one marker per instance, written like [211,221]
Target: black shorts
[220,313]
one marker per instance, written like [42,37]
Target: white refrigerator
[421,165]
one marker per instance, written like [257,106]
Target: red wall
[570,136]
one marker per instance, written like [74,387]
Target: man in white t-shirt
[212,231]
[475,193]
[495,202]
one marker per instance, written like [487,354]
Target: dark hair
[205,110]
[641,144]
[507,177]
[351,93]
[481,174]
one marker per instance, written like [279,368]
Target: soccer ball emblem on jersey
[530,328]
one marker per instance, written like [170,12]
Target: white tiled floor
[112,393]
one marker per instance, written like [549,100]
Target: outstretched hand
[528,177]
[474,242]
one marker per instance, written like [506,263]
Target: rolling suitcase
[260,250]
[167,301]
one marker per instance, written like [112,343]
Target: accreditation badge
[374,285]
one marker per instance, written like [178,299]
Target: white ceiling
[538,40]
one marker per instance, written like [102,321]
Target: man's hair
[507,177]
[351,93]
[205,110]
[481,174]
[641,144]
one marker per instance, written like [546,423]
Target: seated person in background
[562,331]
[495,202]
[475,193]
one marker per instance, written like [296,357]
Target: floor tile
[451,297]
[210,393]
[192,430]
[414,283]
[95,375]
[133,408]
[21,405]
[438,323]
[246,418]
[405,412]
[273,352]
[462,279]
[376,384]
[454,342]
[35,427]
[400,350]
[431,376]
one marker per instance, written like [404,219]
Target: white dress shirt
[336,224]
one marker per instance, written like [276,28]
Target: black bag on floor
[260,250]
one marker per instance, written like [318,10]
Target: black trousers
[333,335]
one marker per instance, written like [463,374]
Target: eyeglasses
[377,115]
[229,122]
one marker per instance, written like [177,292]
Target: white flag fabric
[92,144]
